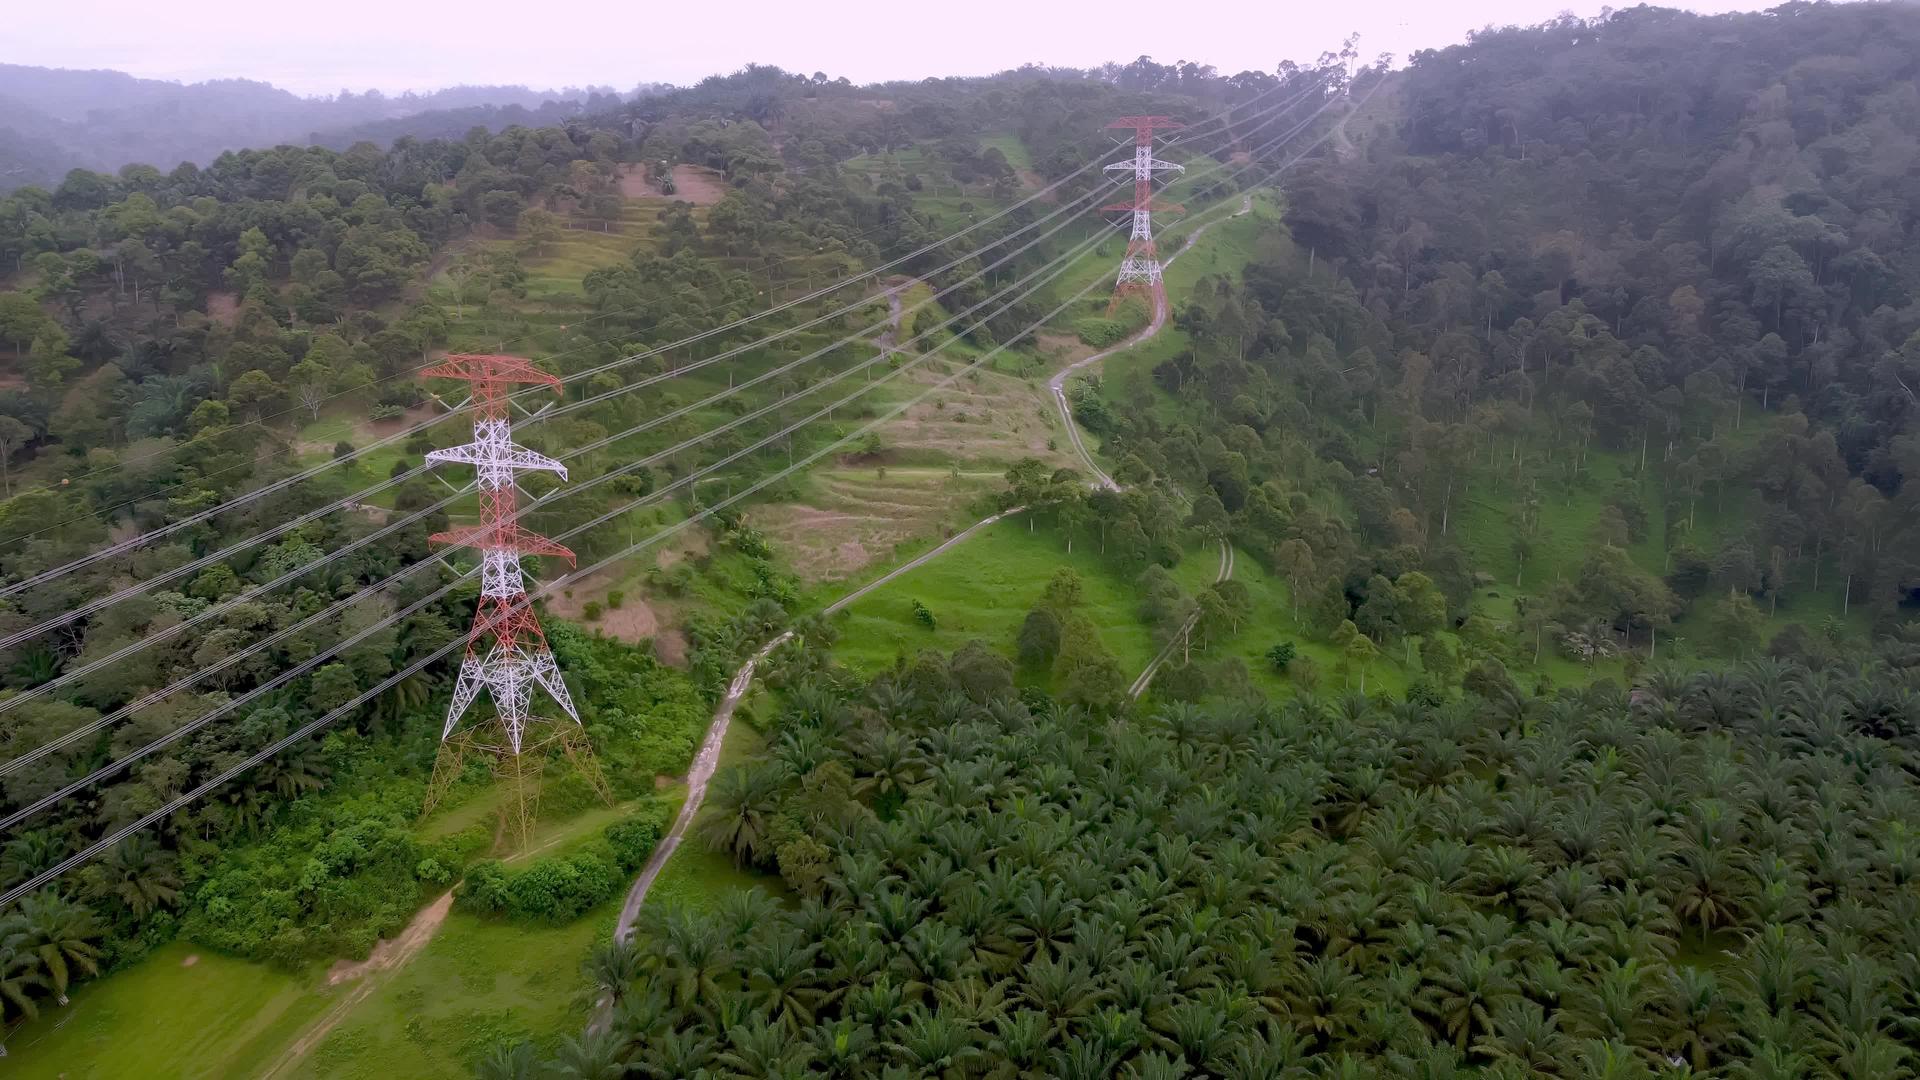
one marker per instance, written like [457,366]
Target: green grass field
[165,1017]
[1011,148]
[478,982]
[982,589]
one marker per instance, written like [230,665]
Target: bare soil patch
[223,307]
[386,956]
[670,647]
[190,959]
[854,516]
[1063,349]
[637,183]
[698,185]
[401,948]
[823,545]
[985,416]
[688,545]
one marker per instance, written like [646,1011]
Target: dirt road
[1058,383]
[1160,658]
[708,758]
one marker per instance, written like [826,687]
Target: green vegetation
[1555,719]
[983,589]
[1500,885]
[182,1011]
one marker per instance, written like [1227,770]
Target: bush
[591,612]
[329,883]
[615,599]
[633,838]
[1280,657]
[563,887]
[553,890]
[1099,332]
[923,615]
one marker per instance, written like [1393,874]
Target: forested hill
[53,120]
[1632,299]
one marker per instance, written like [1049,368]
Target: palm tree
[1697,1015]
[295,771]
[509,1062]
[931,1043]
[611,969]
[693,955]
[30,853]
[739,811]
[21,973]
[594,1055]
[138,874]
[58,932]
[1526,1035]
[1462,997]
[781,978]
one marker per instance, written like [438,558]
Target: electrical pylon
[1140,269]
[507,653]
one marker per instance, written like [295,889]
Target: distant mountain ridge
[53,120]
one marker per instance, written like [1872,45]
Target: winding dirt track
[708,757]
[1058,383]
[1166,653]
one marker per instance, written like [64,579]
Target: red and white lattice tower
[1140,270]
[507,652]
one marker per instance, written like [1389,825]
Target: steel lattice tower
[1140,269]
[507,653]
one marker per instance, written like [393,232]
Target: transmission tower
[1140,269]
[507,653]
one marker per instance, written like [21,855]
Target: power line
[100,603]
[309,729]
[376,489]
[314,726]
[1223,117]
[338,606]
[101,723]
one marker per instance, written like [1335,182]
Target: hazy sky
[396,45]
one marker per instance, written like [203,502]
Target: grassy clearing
[165,1017]
[983,589]
[1011,148]
[477,983]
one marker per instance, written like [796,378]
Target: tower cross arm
[1154,164]
[505,536]
[507,455]
[478,367]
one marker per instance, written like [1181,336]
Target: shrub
[1099,332]
[633,838]
[615,599]
[591,611]
[923,615]
[1280,657]
[328,883]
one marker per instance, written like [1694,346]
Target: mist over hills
[53,120]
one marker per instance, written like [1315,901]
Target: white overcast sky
[395,45]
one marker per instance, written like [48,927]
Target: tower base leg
[448,766]
[521,776]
